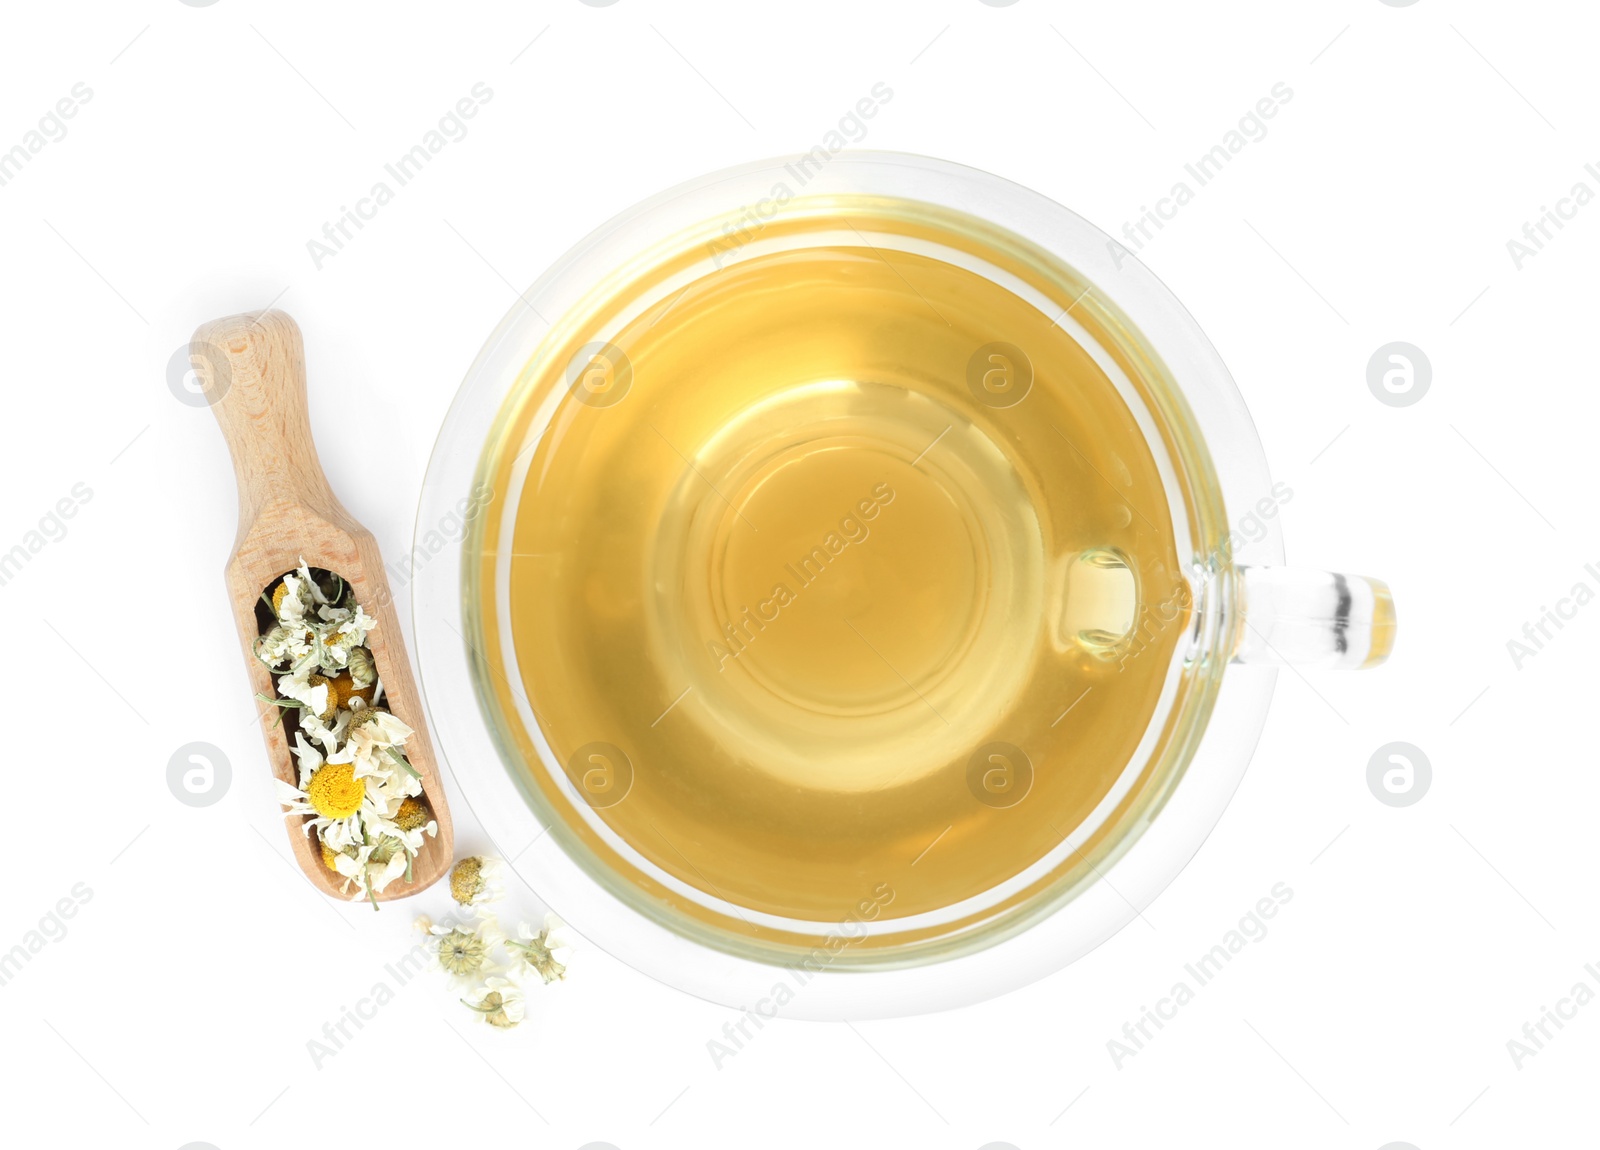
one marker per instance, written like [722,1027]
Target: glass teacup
[852,582]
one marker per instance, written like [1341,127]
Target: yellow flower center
[411,815]
[335,792]
[342,689]
[466,880]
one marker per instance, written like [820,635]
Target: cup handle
[1293,615]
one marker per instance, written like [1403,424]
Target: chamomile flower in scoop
[309,586]
[325,734]
[372,873]
[337,803]
[283,644]
[374,738]
[352,621]
[312,690]
[405,830]
[293,598]
[414,815]
[363,671]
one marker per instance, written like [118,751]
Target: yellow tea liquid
[852,555]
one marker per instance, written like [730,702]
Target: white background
[219,139]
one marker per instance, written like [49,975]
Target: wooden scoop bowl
[253,372]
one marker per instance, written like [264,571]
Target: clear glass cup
[1248,614]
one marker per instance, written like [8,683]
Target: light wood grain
[252,368]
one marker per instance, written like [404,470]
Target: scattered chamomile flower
[499,1001]
[476,880]
[461,951]
[544,951]
[471,955]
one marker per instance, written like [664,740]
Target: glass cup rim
[1217,761]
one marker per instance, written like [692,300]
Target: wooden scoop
[253,373]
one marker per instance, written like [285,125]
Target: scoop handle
[252,371]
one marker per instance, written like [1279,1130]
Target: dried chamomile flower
[500,1002]
[335,792]
[387,847]
[373,730]
[545,951]
[308,756]
[327,736]
[403,835]
[356,866]
[340,631]
[345,690]
[352,620]
[330,706]
[294,597]
[375,745]
[475,881]
[374,873]
[331,857]
[365,713]
[310,586]
[311,690]
[459,950]
[387,788]
[413,815]
[333,651]
[363,671]
[280,645]
[336,802]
